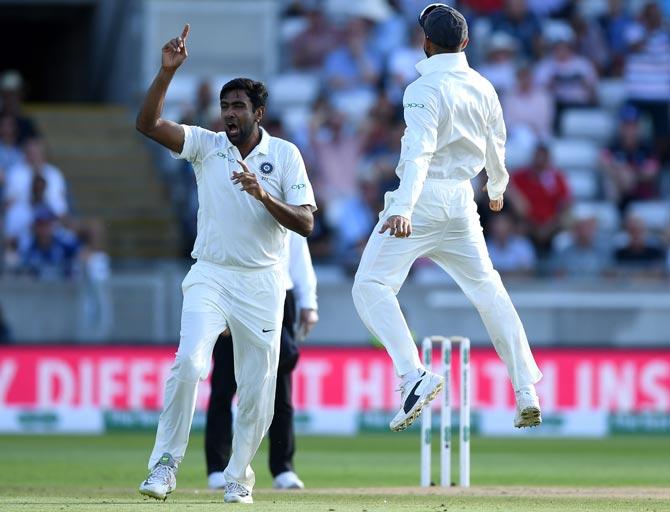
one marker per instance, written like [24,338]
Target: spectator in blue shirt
[51,253]
[352,71]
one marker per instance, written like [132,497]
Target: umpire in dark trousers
[300,303]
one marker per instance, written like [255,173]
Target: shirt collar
[444,62]
[263,147]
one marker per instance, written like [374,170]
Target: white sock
[529,388]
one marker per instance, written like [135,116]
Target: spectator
[500,66]
[352,70]
[20,178]
[203,104]
[402,65]
[615,25]
[590,40]
[355,218]
[529,105]
[519,22]
[640,255]
[584,256]
[321,244]
[11,96]
[630,165]
[647,70]
[310,48]
[389,29]
[572,79]
[541,196]
[337,153]
[482,7]
[553,8]
[21,215]
[5,330]
[51,253]
[511,253]
[10,151]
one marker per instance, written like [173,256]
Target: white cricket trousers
[446,229]
[251,304]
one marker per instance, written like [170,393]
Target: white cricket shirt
[234,229]
[454,129]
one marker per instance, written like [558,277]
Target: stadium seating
[583,182]
[611,93]
[574,153]
[606,213]
[656,214]
[597,125]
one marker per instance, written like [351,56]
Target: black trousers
[219,428]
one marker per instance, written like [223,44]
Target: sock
[530,388]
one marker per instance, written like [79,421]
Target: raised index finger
[184,33]
[244,166]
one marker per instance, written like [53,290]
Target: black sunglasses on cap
[427,10]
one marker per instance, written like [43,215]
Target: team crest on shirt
[267,168]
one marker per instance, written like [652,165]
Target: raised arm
[149,121]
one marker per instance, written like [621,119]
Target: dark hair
[257,92]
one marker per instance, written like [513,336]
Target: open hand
[249,182]
[398,226]
[174,51]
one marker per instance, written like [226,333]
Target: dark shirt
[54,262]
[525,30]
[648,255]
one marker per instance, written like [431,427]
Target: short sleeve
[195,141]
[296,187]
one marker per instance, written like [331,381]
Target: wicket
[445,413]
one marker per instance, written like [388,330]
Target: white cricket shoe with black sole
[162,479]
[237,493]
[415,395]
[528,412]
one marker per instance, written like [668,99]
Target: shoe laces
[236,488]
[161,474]
[404,386]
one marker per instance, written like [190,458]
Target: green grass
[40,473]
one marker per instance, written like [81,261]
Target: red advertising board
[131,377]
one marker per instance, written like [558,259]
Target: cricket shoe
[415,394]
[216,480]
[528,412]
[162,479]
[287,480]
[237,493]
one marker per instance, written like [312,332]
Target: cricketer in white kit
[251,188]
[454,128]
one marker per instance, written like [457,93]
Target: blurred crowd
[39,235]
[585,89]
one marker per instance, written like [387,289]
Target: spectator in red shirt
[540,196]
